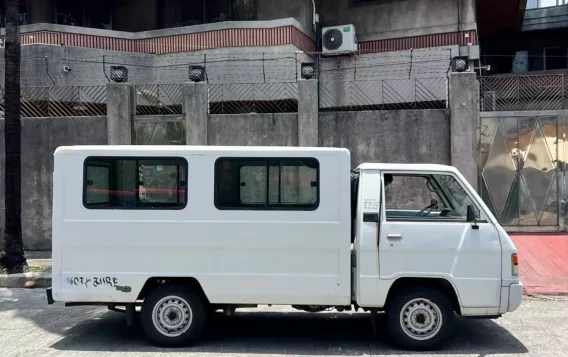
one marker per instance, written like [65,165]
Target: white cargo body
[184,231]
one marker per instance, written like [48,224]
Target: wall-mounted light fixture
[197,73]
[119,74]
[460,64]
[308,70]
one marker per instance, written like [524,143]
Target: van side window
[425,197]
[135,183]
[266,184]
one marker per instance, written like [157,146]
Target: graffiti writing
[94,282]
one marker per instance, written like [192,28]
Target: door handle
[394,237]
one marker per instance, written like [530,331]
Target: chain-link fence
[524,92]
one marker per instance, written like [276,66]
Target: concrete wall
[42,65]
[402,136]
[234,65]
[229,65]
[249,130]
[358,80]
[393,19]
[412,136]
[40,138]
[406,136]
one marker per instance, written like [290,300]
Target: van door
[424,233]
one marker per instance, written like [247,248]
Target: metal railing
[386,94]
[246,98]
[2,102]
[63,101]
[524,92]
[159,99]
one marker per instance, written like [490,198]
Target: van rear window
[135,183]
[267,184]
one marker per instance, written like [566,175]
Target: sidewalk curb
[42,280]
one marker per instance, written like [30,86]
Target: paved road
[29,327]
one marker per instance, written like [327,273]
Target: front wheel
[173,316]
[420,319]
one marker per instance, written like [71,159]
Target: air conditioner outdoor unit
[339,40]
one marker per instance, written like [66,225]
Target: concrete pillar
[121,107]
[464,108]
[308,113]
[195,109]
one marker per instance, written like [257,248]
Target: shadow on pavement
[299,333]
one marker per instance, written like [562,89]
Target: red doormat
[543,262]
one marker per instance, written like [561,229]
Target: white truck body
[290,245]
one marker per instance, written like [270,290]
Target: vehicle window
[459,199]
[137,183]
[266,184]
[425,197]
[253,183]
[98,181]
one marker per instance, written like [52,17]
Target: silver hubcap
[172,316]
[421,319]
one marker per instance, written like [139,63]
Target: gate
[522,168]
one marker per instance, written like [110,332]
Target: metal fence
[424,93]
[2,101]
[246,98]
[524,92]
[159,99]
[64,101]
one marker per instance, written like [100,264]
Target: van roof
[407,167]
[181,149]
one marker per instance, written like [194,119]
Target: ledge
[174,40]
[546,18]
[174,31]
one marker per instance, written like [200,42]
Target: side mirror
[470,214]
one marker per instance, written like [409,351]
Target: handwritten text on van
[95,282]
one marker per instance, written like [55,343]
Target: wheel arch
[445,286]
[154,282]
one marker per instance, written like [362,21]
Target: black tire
[184,303]
[427,302]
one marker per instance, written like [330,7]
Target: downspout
[315,22]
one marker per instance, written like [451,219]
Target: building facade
[152,37]
[532,39]
[524,118]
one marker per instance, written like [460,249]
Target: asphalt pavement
[30,327]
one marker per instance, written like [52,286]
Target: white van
[184,231]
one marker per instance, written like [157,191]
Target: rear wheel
[173,316]
[420,319]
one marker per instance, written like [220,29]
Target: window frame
[545,57]
[482,215]
[140,206]
[267,206]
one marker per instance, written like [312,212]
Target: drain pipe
[315,23]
